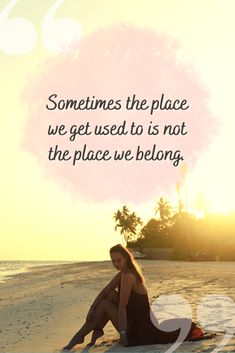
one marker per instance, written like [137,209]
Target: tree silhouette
[164,209]
[180,203]
[127,223]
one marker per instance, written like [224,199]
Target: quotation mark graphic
[217,313]
[214,312]
[59,34]
[169,309]
[18,35]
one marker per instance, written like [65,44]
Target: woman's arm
[113,284]
[127,282]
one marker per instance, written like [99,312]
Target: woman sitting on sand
[128,308]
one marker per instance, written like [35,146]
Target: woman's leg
[98,332]
[105,309]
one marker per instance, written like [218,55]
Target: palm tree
[164,208]
[184,169]
[180,203]
[127,222]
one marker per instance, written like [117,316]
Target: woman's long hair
[131,263]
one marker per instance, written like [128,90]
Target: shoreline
[42,308]
[56,264]
[9,269]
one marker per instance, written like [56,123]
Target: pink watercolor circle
[116,63]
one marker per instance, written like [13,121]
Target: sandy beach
[42,308]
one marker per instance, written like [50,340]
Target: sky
[42,218]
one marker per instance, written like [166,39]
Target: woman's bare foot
[75,340]
[97,333]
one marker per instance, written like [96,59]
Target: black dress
[141,330]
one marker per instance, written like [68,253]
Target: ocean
[11,268]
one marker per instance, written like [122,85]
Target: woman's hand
[123,339]
[90,314]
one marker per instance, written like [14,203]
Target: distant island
[176,234]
